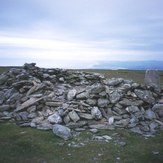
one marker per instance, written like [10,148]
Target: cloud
[80,33]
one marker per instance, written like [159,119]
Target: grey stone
[157,107]
[101,126]
[127,102]
[1,97]
[8,93]
[44,126]
[86,116]
[102,102]
[114,81]
[110,120]
[122,123]
[24,115]
[28,103]
[55,118]
[132,109]
[149,114]
[54,103]
[4,108]
[93,130]
[83,95]
[96,113]
[66,119]
[71,94]
[3,78]
[152,79]
[62,131]
[145,95]
[15,97]
[136,130]
[74,116]
[97,89]
[153,126]
[91,102]
[32,115]
[114,97]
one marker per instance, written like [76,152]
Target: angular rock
[97,89]
[1,97]
[66,119]
[136,130]
[44,126]
[152,80]
[91,102]
[103,102]
[132,109]
[54,103]
[74,116]
[86,116]
[28,103]
[127,102]
[145,95]
[5,107]
[101,126]
[24,115]
[62,131]
[3,78]
[71,94]
[149,114]
[55,118]
[122,123]
[114,97]
[114,81]
[83,95]
[96,113]
[76,124]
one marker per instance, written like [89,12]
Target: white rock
[55,118]
[71,94]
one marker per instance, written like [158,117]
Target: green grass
[29,145]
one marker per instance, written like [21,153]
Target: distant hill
[131,65]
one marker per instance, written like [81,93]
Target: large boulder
[152,80]
[62,131]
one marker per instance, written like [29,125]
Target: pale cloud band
[80,34]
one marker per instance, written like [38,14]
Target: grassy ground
[29,145]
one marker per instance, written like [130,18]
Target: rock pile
[61,100]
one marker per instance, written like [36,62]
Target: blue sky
[80,33]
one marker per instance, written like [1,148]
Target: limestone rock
[149,114]
[28,103]
[127,102]
[145,95]
[74,116]
[102,102]
[62,131]
[96,113]
[3,78]
[71,94]
[132,109]
[55,118]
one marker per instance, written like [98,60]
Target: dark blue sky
[80,33]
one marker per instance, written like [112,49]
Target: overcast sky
[80,33]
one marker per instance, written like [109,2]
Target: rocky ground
[65,101]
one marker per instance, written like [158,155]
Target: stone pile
[62,100]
